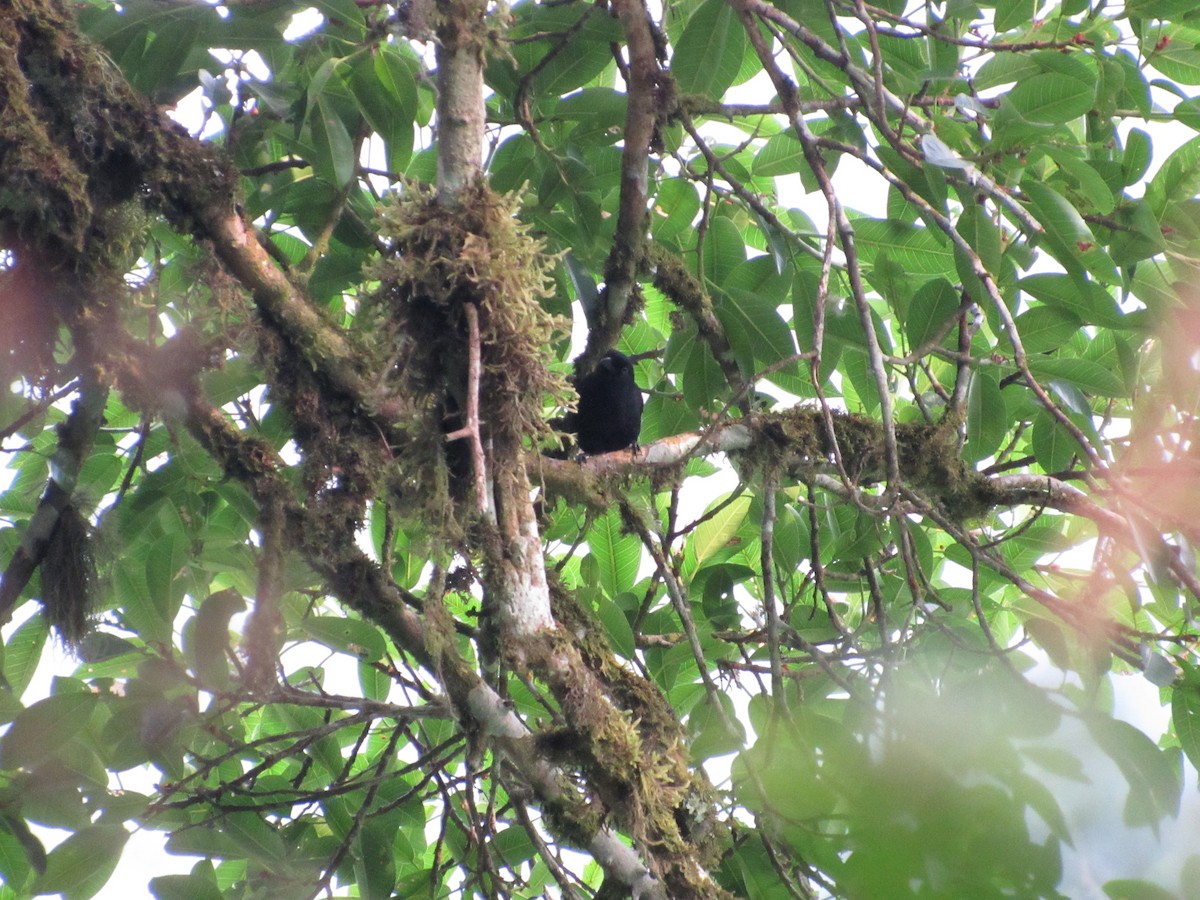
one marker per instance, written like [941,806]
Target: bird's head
[615,361]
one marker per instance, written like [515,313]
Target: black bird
[609,415]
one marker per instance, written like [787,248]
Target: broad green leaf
[23,652]
[1155,778]
[44,728]
[576,47]
[599,112]
[1178,57]
[1138,153]
[919,250]
[1005,68]
[1085,299]
[710,736]
[1178,179]
[194,886]
[1091,185]
[931,307]
[675,207]
[987,416]
[704,383]
[1088,376]
[708,55]
[375,684]
[21,853]
[1135,889]
[1185,716]
[352,636]
[714,533]
[616,626]
[1063,89]
[386,93]
[1065,234]
[1041,800]
[724,250]
[781,155]
[1011,14]
[375,862]
[784,780]
[617,553]
[83,863]
[332,143]
[755,330]
[514,163]
[1052,444]
[1044,328]
[513,845]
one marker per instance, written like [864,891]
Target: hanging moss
[69,580]
[76,142]
[415,326]
[799,440]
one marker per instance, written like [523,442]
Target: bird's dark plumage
[609,415]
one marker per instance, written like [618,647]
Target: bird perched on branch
[609,415]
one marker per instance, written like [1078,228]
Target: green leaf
[375,684]
[375,861]
[1065,234]
[332,144]
[703,381]
[714,534]
[44,728]
[386,93]
[565,66]
[675,207]
[83,863]
[1085,299]
[781,155]
[756,331]
[724,250]
[149,610]
[1135,889]
[1010,14]
[1091,186]
[784,779]
[1063,89]
[617,554]
[919,250]
[1052,444]
[710,737]
[1178,58]
[616,626]
[193,886]
[1178,179]
[599,111]
[23,652]
[1155,778]
[351,636]
[1044,329]
[1088,376]
[515,163]
[1041,800]
[1185,715]
[987,416]
[21,853]
[1138,153]
[708,55]
[934,303]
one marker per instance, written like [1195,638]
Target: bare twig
[471,430]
